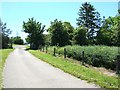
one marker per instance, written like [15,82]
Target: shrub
[99,56]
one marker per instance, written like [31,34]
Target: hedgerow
[99,56]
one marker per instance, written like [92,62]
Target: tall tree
[59,36]
[80,36]
[35,33]
[70,30]
[109,33]
[4,35]
[89,18]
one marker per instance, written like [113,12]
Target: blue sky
[14,13]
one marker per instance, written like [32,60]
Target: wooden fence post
[118,70]
[54,51]
[93,57]
[64,52]
[82,57]
[118,65]
[46,49]
[11,42]
[40,48]
[43,48]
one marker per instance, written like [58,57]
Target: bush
[18,40]
[99,56]
[50,49]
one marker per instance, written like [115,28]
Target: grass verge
[3,55]
[78,71]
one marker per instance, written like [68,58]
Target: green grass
[78,70]
[27,47]
[3,55]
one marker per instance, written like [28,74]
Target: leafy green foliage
[109,32]
[50,49]
[69,28]
[80,36]
[59,36]
[18,40]
[99,56]
[90,18]
[35,33]
[47,38]
[4,35]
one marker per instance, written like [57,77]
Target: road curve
[23,70]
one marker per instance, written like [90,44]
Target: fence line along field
[98,56]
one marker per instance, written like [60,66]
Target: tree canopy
[109,32]
[18,40]
[70,29]
[59,35]
[80,36]
[35,33]
[89,18]
[4,35]
[91,30]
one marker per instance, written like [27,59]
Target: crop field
[99,56]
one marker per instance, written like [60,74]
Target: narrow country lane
[23,70]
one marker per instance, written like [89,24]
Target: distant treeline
[91,30]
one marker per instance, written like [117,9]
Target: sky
[14,13]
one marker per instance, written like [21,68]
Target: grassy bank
[3,55]
[78,70]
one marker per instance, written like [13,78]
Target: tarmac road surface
[23,70]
